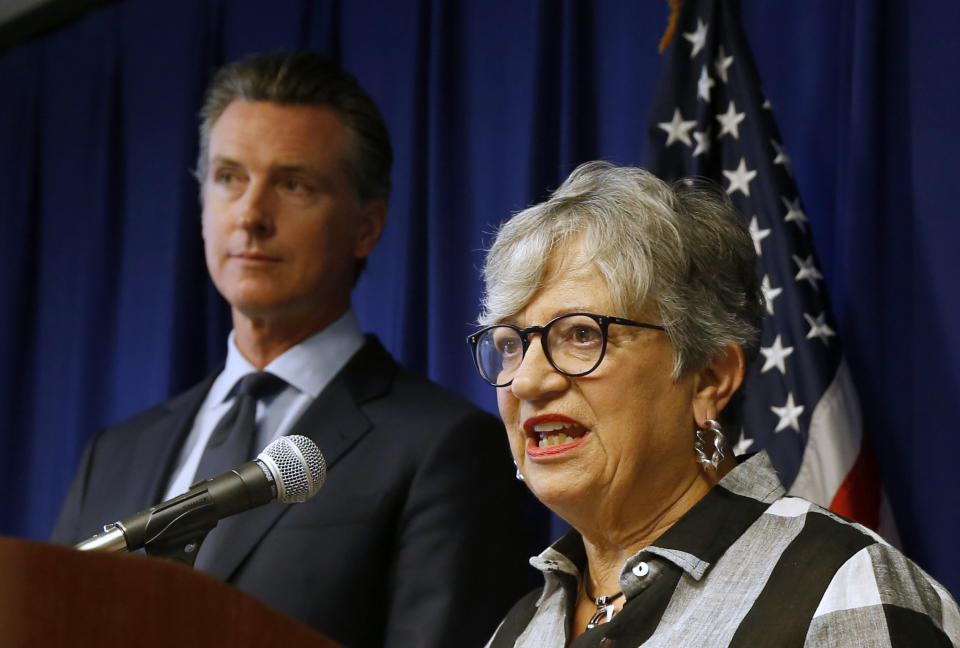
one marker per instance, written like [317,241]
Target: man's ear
[718,382]
[373,217]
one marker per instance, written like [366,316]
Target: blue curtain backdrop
[106,307]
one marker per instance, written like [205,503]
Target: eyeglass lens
[574,344]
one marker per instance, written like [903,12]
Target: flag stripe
[859,496]
[828,456]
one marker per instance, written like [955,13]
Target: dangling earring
[519,474]
[719,445]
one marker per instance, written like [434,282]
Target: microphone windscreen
[298,467]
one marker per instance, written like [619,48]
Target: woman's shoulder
[866,582]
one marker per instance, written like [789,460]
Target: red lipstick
[576,431]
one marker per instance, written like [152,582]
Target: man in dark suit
[418,536]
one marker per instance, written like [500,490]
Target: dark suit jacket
[420,536]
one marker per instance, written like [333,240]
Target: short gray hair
[307,78]
[681,248]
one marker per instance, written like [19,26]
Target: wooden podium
[54,596]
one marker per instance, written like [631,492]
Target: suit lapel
[161,443]
[335,422]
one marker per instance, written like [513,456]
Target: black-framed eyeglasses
[574,345]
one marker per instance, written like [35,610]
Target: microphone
[290,469]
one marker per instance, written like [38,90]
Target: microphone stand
[290,469]
[175,528]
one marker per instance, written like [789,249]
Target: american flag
[711,119]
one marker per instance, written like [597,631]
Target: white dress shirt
[307,368]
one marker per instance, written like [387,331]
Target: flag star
[757,234]
[704,84]
[808,270]
[677,129]
[743,443]
[723,64]
[775,356]
[819,327]
[794,213]
[789,414]
[740,178]
[730,121]
[698,38]
[769,293]
[781,157]
[703,142]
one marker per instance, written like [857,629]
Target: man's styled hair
[307,78]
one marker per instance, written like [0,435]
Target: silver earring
[717,446]
[519,474]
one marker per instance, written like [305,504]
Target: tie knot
[260,385]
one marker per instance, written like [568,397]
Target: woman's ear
[717,383]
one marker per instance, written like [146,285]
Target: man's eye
[294,185]
[225,177]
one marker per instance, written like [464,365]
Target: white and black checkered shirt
[747,566]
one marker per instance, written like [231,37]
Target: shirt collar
[307,366]
[313,363]
[706,531]
[696,540]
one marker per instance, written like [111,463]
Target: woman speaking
[619,318]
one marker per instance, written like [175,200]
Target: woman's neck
[612,536]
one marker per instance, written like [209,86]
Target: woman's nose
[536,378]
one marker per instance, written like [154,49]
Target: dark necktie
[231,442]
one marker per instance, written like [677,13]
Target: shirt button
[640,569]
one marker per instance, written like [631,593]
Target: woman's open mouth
[553,435]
